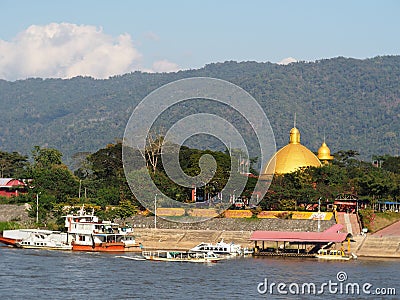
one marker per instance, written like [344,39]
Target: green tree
[104,177]
[106,164]
[46,157]
[52,181]
[392,164]
[45,205]
[344,158]
[126,209]
[13,165]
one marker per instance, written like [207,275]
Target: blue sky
[171,35]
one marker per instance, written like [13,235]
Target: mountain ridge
[352,103]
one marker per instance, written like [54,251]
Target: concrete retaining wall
[373,246]
[227,224]
[178,239]
[11,212]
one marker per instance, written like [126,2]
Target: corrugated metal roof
[330,235]
[335,228]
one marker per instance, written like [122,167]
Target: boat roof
[45,231]
[329,235]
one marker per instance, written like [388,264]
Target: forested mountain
[356,103]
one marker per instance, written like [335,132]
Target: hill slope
[355,102]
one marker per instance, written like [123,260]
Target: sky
[99,38]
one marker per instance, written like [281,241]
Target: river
[41,274]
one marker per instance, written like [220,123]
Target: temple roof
[324,153]
[291,157]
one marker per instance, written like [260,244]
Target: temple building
[324,154]
[294,156]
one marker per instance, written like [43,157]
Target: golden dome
[291,157]
[324,153]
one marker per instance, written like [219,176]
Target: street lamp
[155,211]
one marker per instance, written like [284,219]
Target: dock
[296,244]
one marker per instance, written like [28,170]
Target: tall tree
[12,164]
[46,157]
[392,164]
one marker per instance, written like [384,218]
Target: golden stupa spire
[324,153]
[294,133]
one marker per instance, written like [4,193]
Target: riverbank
[377,246]
[180,239]
[183,236]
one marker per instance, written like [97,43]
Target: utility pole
[37,207]
[155,211]
[319,214]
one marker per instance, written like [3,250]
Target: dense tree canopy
[13,164]
[103,182]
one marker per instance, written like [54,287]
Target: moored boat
[333,254]
[221,248]
[12,236]
[105,242]
[46,240]
[99,236]
[11,241]
[181,256]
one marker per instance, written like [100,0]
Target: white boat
[99,236]
[246,251]
[12,236]
[181,256]
[221,248]
[45,239]
[333,254]
[15,237]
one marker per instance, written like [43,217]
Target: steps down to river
[349,222]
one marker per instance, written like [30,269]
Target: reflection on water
[41,274]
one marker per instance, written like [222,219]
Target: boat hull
[176,256]
[106,247]
[327,257]
[8,241]
[200,260]
[332,255]
[63,248]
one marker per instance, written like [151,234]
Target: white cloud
[165,66]
[151,36]
[287,61]
[66,50]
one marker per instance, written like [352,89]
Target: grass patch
[8,226]
[375,221]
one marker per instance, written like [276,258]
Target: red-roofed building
[11,187]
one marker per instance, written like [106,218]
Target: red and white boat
[93,235]
[13,237]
